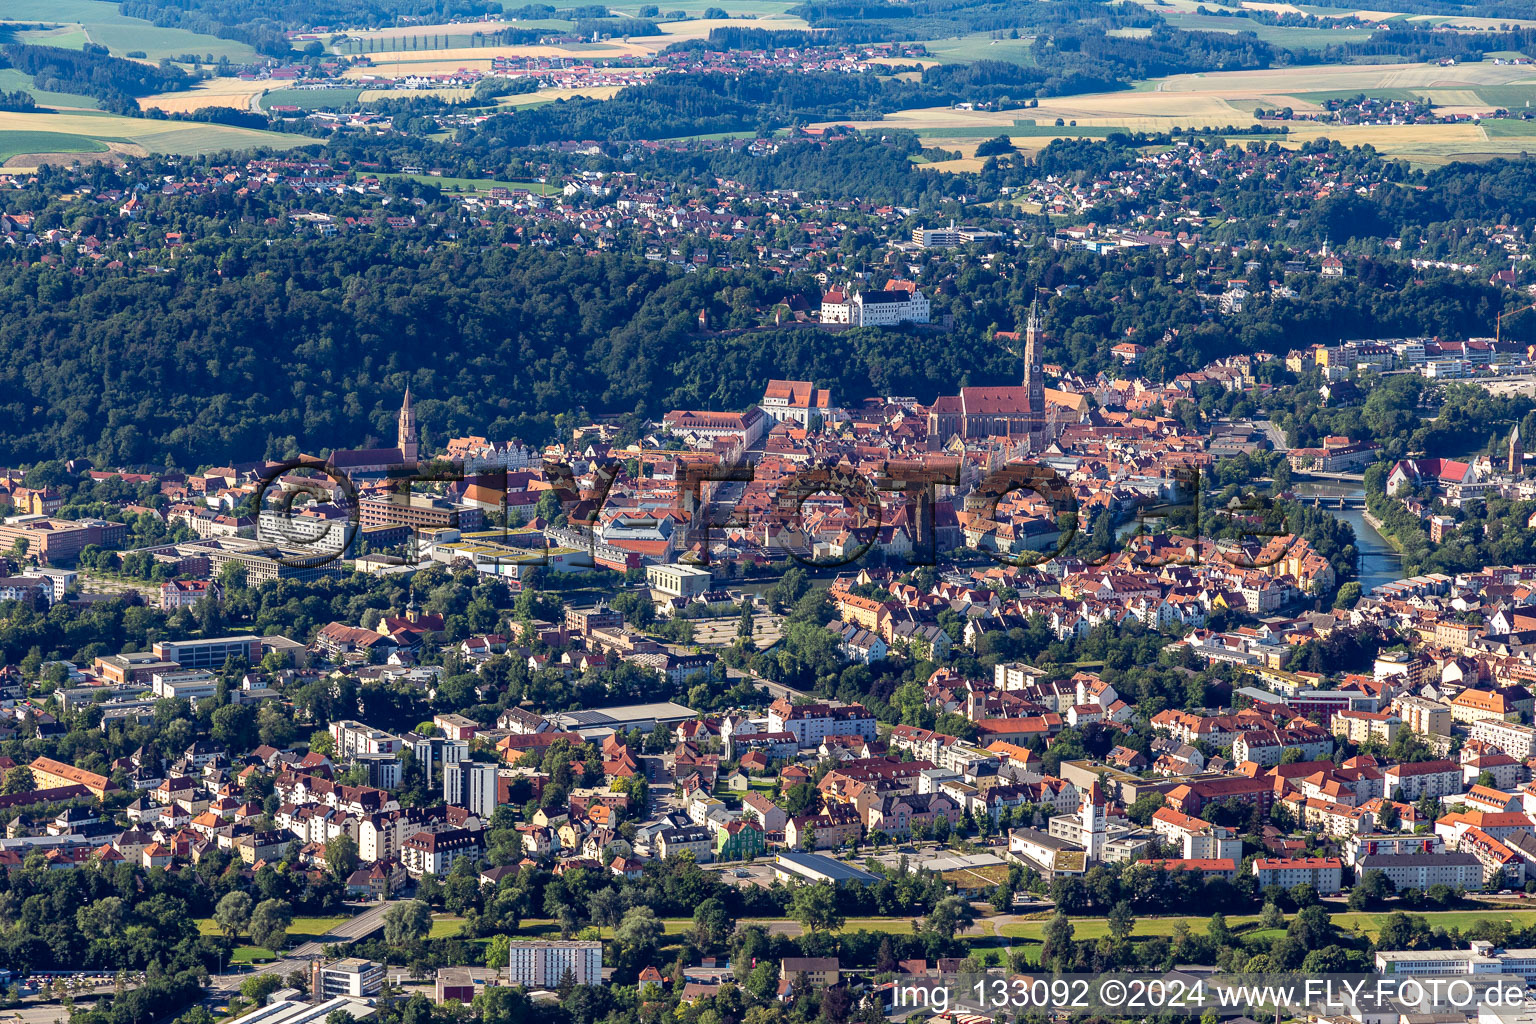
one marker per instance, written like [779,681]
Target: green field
[306,927]
[446,926]
[474,184]
[1516,96]
[310,99]
[22,143]
[1291,38]
[1367,922]
[1378,94]
[101,22]
[70,37]
[981,46]
[11,80]
[29,133]
[696,8]
[1504,128]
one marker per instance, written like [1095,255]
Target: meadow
[100,22]
[11,80]
[90,132]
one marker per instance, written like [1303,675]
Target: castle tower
[405,438]
[1094,820]
[1516,452]
[1034,378]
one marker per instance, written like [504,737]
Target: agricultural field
[214,92]
[11,80]
[1290,38]
[981,46]
[27,134]
[445,60]
[1223,99]
[19,143]
[310,99]
[100,22]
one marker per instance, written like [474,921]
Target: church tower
[406,439]
[1093,819]
[1516,452]
[1034,378]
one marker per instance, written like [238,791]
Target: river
[1379,563]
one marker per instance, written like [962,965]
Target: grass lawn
[19,143]
[446,927]
[1368,922]
[302,927]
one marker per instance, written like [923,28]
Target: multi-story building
[352,738]
[1423,716]
[694,839]
[745,428]
[1325,874]
[434,853]
[1422,870]
[1518,741]
[59,541]
[1413,780]
[677,580]
[424,510]
[812,723]
[354,977]
[1360,726]
[176,594]
[543,963]
[210,653]
[189,684]
[50,774]
[472,785]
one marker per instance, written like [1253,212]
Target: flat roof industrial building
[816,867]
[599,722]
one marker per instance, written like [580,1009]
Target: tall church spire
[1034,377]
[406,439]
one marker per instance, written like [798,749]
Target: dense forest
[91,71]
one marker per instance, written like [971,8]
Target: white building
[472,785]
[353,977]
[542,964]
[677,580]
[889,308]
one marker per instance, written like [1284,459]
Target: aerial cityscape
[767,512]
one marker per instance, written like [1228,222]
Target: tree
[233,913]
[407,923]
[1058,948]
[638,935]
[19,780]
[1271,917]
[712,924]
[815,908]
[1121,921]
[949,916]
[498,952]
[341,856]
[269,924]
[1311,927]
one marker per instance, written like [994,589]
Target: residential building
[543,963]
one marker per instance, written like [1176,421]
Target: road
[1275,434]
[298,958]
